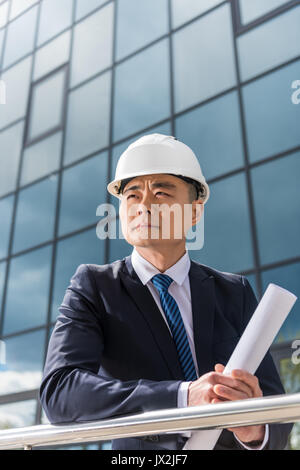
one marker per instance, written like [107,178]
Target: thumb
[219,368]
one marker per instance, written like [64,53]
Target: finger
[229,393]
[250,379]
[231,382]
[219,368]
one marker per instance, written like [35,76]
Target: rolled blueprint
[253,345]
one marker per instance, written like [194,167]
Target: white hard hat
[154,154]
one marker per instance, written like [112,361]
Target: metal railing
[270,409]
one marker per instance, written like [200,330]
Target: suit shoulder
[221,276]
[108,269]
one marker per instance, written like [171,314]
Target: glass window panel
[3,14]
[47,105]
[84,248]
[6,210]
[119,247]
[22,28]
[24,356]
[16,95]
[2,279]
[142,95]
[183,11]
[41,159]
[92,50]
[277,208]
[272,120]
[17,415]
[227,238]
[28,291]
[201,72]
[252,9]
[288,278]
[78,206]
[270,44]
[10,146]
[1,44]
[55,17]
[35,214]
[52,55]
[18,6]
[152,22]
[83,7]
[213,131]
[89,104]
[119,149]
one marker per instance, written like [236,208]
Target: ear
[197,211]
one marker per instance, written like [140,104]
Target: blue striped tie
[173,315]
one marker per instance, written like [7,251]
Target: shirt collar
[145,270]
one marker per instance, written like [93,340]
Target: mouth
[139,226]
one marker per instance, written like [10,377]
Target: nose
[144,206]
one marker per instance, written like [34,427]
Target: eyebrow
[161,184]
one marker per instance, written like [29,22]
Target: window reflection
[142,95]
[229,248]
[55,17]
[22,28]
[84,248]
[202,72]
[18,6]
[52,55]
[35,214]
[41,159]
[89,104]
[16,95]
[183,11]
[213,131]
[270,44]
[17,415]
[78,206]
[288,278]
[3,14]
[47,105]
[10,151]
[273,126]
[83,7]
[92,50]
[6,209]
[277,208]
[28,291]
[2,277]
[152,23]
[252,9]
[24,356]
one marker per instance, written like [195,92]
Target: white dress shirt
[181,291]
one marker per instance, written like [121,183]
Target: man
[155,329]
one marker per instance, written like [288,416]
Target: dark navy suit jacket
[111,353]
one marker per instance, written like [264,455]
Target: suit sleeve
[267,374]
[72,390]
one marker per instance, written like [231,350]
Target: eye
[161,192]
[131,195]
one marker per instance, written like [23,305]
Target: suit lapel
[203,307]
[203,301]
[145,303]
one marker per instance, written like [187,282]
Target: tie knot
[162,281]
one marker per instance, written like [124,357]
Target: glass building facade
[81,79]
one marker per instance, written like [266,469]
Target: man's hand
[214,387]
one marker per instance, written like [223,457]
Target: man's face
[156,210]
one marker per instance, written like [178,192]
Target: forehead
[153,180]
